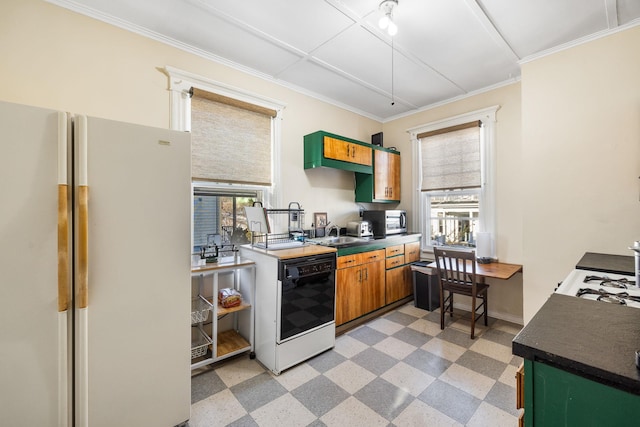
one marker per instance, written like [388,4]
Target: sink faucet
[330,227]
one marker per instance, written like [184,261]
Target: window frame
[487,194]
[180,84]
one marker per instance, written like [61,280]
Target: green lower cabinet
[554,397]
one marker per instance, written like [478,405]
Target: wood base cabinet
[399,279]
[360,285]
[398,283]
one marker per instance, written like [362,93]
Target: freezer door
[34,340]
[136,339]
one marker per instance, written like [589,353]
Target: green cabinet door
[554,397]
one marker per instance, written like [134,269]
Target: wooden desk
[494,270]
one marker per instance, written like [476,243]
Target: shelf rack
[212,345]
[295,224]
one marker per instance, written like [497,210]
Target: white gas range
[601,286]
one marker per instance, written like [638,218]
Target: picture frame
[320,219]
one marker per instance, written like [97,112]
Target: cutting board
[257,219]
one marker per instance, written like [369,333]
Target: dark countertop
[375,244]
[615,264]
[591,339]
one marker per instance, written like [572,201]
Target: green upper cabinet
[334,151]
[384,185]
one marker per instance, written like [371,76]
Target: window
[218,215]
[452,218]
[235,154]
[454,165]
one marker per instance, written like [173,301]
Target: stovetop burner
[621,283]
[610,297]
[597,286]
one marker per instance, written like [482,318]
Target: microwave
[386,222]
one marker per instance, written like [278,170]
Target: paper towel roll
[483,244]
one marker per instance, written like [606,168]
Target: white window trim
[180,83]
[487,220]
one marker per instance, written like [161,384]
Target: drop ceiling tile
[359,53]
[449,38]
[628,11]
[334,86]
[360,7]
[213,34]
[418,84]
[531,26]
[301,24]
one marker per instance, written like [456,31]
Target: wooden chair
[457,275]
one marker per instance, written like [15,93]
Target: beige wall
[581,152]
[505,297]
[54,58]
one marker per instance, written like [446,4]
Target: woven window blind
[451,157]
[230,140]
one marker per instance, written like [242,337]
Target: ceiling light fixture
[386,22]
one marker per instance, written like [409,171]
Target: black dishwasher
[307,294]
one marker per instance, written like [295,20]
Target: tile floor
[397,370]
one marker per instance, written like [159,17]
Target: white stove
[602,287]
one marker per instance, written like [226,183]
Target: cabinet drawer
[395,261]
[361,258]
[372,256]
[394,250]
[348,261]
[412,252]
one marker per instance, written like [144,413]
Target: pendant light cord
[392,97]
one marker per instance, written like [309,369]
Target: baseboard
[345,327]
[496,315]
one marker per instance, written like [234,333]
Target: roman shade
[451,157]
[230,140]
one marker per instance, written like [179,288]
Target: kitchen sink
[338,241]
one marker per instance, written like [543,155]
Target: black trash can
[426,289]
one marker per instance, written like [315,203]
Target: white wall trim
[488,157]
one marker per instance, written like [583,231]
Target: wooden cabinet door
[412,252]
[373,294]
[337,149]
[394,176]
[381,175]
[386,175]
[399,284]
[348,294]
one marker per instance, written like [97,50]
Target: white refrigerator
[95,293]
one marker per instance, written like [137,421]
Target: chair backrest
[456,267]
